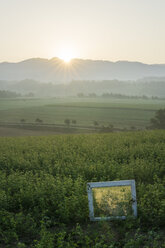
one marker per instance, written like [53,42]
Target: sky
[111,30]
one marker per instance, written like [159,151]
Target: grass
[122,113]
[16,131]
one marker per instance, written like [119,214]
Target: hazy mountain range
[56,71]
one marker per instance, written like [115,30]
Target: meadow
[43,194]
[121,113]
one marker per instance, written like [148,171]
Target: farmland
[43,195]
[121,113]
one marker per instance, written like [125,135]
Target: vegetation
[121,113]
[74,122]
[140,89]
[95,123]
[67,122]
[159,120]
[38,120]
[22,120]
[8,94]
[112,201]
[43,197]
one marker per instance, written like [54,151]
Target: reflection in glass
[112,201]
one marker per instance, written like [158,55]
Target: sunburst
[67,54]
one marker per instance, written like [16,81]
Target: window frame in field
[92,185]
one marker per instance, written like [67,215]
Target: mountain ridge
[56,70]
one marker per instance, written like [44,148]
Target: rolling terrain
[88,113]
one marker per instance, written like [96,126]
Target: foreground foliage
[43,198]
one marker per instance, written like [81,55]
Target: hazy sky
[95,29]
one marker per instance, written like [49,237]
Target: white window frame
[92,185]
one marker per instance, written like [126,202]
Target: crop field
[121,113]
[43,189]
[17,132]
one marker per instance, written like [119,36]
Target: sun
[67,55]
[66,58]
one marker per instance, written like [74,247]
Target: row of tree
[37,120]
[9,94]
[158,122]
[113,95]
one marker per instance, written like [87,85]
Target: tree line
[8,94]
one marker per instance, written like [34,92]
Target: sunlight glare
[67,55]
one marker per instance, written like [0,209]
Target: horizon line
[85,59]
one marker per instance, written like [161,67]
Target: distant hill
[56,71]
[86,87]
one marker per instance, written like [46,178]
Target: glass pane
[112,201]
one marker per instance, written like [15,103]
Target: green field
[43,194]
[121,113]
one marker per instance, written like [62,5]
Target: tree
[38,120]
[159,120]
[92,95]
[22,120]
[67,122]
[80,94]
[95,123]
[74,122]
